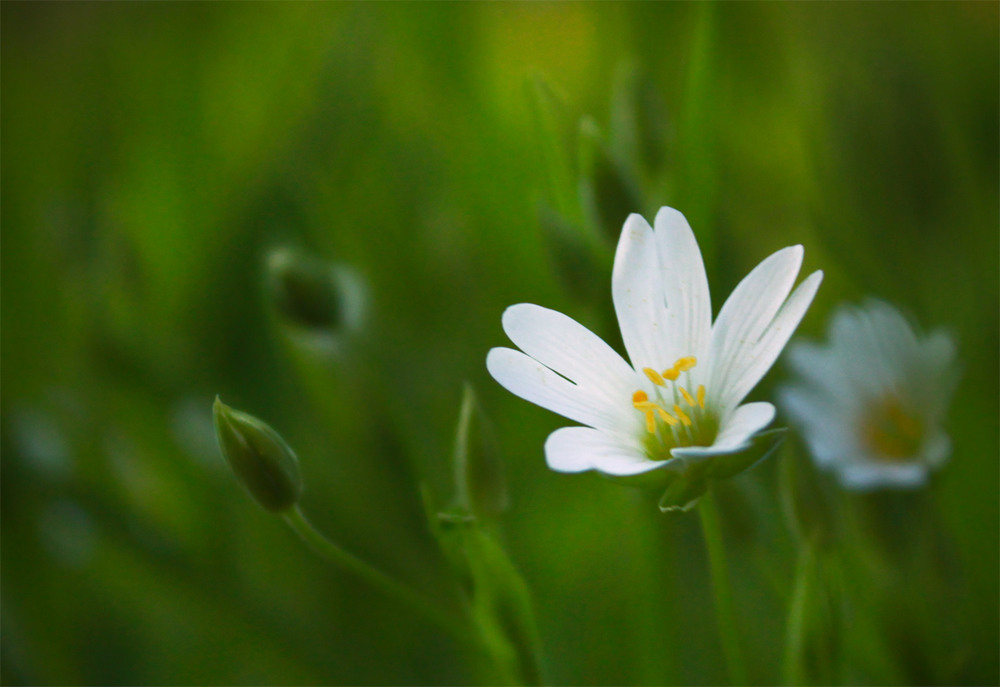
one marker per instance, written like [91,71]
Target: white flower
[871,402]
[678,403]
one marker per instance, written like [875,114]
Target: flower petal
[567,347]
[525,377]
[575,449]
[685,286]
[637,291]
[866,475]
[746,315]
[820,368]
[828,426]
[757,358]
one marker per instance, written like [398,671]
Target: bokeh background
[153,155]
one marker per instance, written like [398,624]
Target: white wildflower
[871,401]
[678,403]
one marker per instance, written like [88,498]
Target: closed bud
[261,460]
[313,294]
[480,485]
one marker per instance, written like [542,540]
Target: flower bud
[263,463]
[313,294]
[479,479]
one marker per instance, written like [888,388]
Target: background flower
[872,401]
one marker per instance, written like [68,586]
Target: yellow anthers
[685,364]
[667,417]
[654,376]
[652,409]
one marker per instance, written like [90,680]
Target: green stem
[296,519]
[795,625]
[723,593]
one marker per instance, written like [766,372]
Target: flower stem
[296,519]
[795,625]
[720,586]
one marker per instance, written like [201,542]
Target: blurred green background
[154,153]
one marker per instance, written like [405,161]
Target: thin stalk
[722,591]
[465,634]
[793,668]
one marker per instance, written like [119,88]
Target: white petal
[935,369]
[637,291]
[735,435]
[575,449]
[869,475]
[827,426]
[525,377]
[685,285]
[747,313]
[936,449]
[567,347]
[758,358]
[821,368]
[854,342]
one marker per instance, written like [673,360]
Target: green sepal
[263,463]
[687,477]
[682,494]
[762,445]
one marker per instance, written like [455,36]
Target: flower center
[675,417]
[891,432]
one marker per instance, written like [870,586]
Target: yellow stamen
[671,374]
[685,364]
[701,395]
[654,376]
[667,417]
[682,415]
[638,397]
[646,405]
[687,397]
[650,422]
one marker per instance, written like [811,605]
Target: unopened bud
[312,293]
[263,463]
[479,478]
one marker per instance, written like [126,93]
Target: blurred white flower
[871,402]
[678,403]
